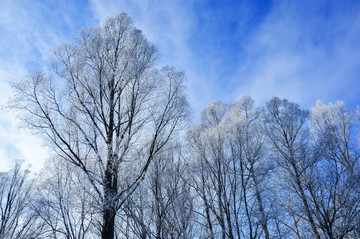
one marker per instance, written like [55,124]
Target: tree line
[126,163]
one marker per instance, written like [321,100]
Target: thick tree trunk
[109,205]
[108,227]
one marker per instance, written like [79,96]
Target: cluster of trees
[276,171]
[126,165]
[242,172]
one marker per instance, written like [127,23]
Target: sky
[301,50]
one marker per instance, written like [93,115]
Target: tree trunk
[109,205]
[108,227]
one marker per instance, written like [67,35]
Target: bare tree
[230,169]
[200,182]
[105,109]
[16,218]
[334,189]
[63,202]
[172,204]
[285,125]
[208,141]
[162,207]
[247,142]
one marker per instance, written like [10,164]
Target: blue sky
[299,50]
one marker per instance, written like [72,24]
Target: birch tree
[104,108]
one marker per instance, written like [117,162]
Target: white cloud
[29,30]
[303,54]
[302,51]
[16,144]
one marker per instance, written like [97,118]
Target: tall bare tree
[285,125]
[247,142]
[336,181]
[230,169]
[207,139]
[106,109]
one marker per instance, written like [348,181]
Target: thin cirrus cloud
[28,31]
[304,51]
[300,50]
[16,144]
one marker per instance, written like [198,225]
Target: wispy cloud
[304,51]
[28,31]
[300,50]
[16,144]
